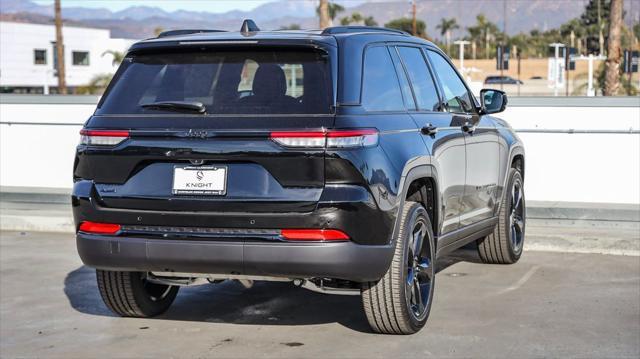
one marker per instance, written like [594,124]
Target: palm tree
[483,32]
[96,85]
[118,56]
[332,9]
[445,27]
[612,76]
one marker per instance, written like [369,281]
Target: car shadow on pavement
[266,303]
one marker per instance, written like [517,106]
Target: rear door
[481,142]
[234,157]
[445,141]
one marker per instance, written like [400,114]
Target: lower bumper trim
[344,260]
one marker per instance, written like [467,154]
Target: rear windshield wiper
[180,106]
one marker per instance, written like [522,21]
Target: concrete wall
[37,142]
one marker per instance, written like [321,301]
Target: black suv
[345,161]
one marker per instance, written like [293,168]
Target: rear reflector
[99,228]
[102,137]
[327,139]
[314,235]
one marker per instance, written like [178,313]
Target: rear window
[225,82]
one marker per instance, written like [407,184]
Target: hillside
[140,21]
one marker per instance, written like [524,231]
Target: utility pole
[324,14]
[612,65]
[62,85]
[414,24]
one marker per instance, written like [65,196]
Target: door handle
[429,129]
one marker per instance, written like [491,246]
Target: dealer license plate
[200,180]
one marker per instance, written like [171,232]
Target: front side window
[40,57]
[224,82]
[80,58]
[380,87]
[420,77]
[456,94]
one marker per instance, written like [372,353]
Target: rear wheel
[504,245]
[400,302]
[130,294]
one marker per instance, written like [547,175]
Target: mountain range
[140,21]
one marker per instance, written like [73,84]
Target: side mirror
[492,101]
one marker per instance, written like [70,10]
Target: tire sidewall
[148,306]
[415,214]
[514,176]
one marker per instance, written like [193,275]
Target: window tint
[225,82]
[40,57]
[380,88]
[80,58]
[409,102]
[456,95]
[423,85]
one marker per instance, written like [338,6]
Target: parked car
[504,80]
[345,161]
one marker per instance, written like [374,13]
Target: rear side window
[225,82]
[456,94]
[380,87]
[420,77]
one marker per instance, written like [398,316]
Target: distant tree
[355,18]
[406,24]
[290,27]
[636,30]
[485,33]
[96,85]
[595,20]
[445,26]
[118,56]
[358,19]
[370,21]
[158,30]
[333,10]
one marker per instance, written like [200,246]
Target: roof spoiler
[353,29]
[248,26]
[186,32]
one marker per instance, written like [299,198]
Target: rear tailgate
[248,94]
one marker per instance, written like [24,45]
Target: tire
[129,294]
[505,244]
[390,304]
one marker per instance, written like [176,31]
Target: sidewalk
[551,226]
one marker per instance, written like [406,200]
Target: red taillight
[99,228]
[327,139]
[314,235]
[103,137]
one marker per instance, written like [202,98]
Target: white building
[28,56]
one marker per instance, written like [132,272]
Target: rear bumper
[343,260]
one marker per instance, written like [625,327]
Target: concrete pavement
[547,305]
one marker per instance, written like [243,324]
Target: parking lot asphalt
[547,305]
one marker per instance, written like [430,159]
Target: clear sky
[168,5]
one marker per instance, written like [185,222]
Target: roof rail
[352,29]
[186,32]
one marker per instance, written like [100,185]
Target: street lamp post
[555,71]
[461,52]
